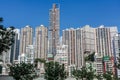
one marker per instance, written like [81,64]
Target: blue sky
[73,13]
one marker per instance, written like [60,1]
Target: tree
[62,73]
[39,60]
[99,76]
[90,57]
[84,72]
[76,74]
[90,73]
[108,75]
[0,69]
[1,19]
[55,71]
[6,37]
[22,71]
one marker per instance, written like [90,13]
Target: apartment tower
[41,42]
[69,39]
[116,49]
[15,47]
[80,41]
[104,48]
[26,38]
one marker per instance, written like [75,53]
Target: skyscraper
[80,41]
[15,47]
[104,37]
[41,45]
[54,29]
[69,39]
[26,38]
[79,54]
[88,34]
[116,49]
[41,42]
[104,47]
[86,40]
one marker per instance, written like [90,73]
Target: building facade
[69,39]
[15,47]
[41,42]
[79,59]
[27,57]
[26,38]
[62,55]
[54,28]
[104,47]
[80,41]
[116,49]
[88,34]
[84,41]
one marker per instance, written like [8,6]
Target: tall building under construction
[54,28]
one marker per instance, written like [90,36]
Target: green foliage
[1,19]
[62,73]
[1,60]
[0,69]
[90,73]
[77,74]
[55,71]
[22,71]
[108,76]
[6,37]
[90,57]
[99,76]
[39,60]
[84,72]
[80,73]
[118,66]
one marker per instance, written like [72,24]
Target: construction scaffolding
[54,29]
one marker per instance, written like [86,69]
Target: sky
[73,13]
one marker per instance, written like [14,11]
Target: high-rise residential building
[104,46]
[86,40]
[79,53]
[41,43]
[54,28]
[27,57]
[78,47]
[15,47]
[69,39]
[62,55]
[104,37]
[85,43]
[30,54]
[116,49]
[88,34]
[80,41]
[26,38]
